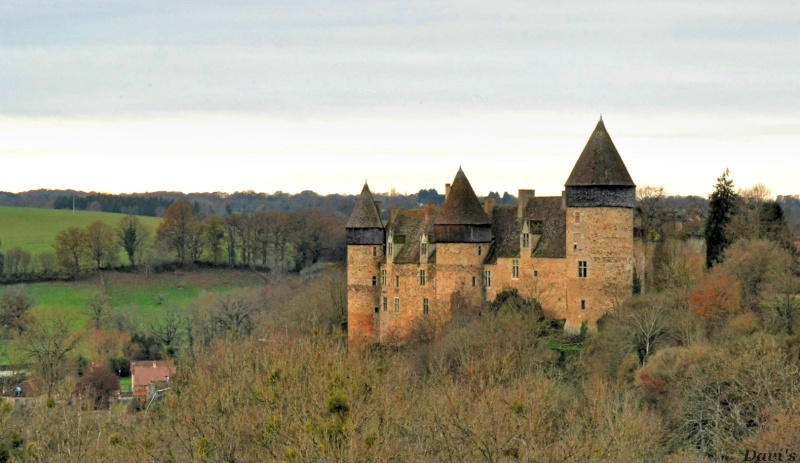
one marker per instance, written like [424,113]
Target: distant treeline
[207,204]
[153,206]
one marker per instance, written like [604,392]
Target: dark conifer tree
[721,207]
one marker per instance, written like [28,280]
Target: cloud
[106,58]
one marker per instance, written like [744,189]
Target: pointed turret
[600,178]
[461,218]
[365,225]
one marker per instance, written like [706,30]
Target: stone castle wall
[602,238]
[539,279]
[362,295]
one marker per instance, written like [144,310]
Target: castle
[573,253]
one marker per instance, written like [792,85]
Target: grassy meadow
[34,230]
[143,296]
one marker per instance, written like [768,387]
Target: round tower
[599,197]
[365,236]
[462,233]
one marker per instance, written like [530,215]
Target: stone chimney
[488,204]
[523,198]
[446,190]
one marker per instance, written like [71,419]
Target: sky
[126,96]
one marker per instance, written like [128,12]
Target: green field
[145,297]
[35,229]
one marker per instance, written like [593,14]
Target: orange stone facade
[574,254]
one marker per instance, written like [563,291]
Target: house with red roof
[148,375]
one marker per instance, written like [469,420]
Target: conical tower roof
[365,214]
[600,163]
[461,207]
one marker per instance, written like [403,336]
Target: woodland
[700,364]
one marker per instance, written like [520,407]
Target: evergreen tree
[721,207]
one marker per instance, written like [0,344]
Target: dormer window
[526,240]
[423,250]
[389,249]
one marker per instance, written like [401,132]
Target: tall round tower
[462,233]
[365,235]
[599,199]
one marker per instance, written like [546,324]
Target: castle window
[374,251]
[377,309]
[374,280]
[423,250]
[535,273]
[385,304]
[487,278]
[526,240]
[577,216]
[397,281]
[425,306]
[397,305]
[389,251]
[383,277]
[480,249]
[422,277]
[515,269]
[473,282]
[583,304]
[582,269]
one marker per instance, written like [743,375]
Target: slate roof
[506,228]
[548,211]
[599,164]
[365,213]
[461,207]
[411,224]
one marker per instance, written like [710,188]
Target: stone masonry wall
[603,238]
[539,279]
[457,266]
[403,283]
[362,296]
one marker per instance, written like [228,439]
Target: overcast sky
[132,96]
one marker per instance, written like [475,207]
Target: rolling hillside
[34,229]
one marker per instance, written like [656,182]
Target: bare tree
[233,315]
[214,234]
[177,229]
[648,201]
[14,306]
[99,309]
[166,329]
[47,343]
[647,324]
[70,245]
[748,221]
[101,244]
